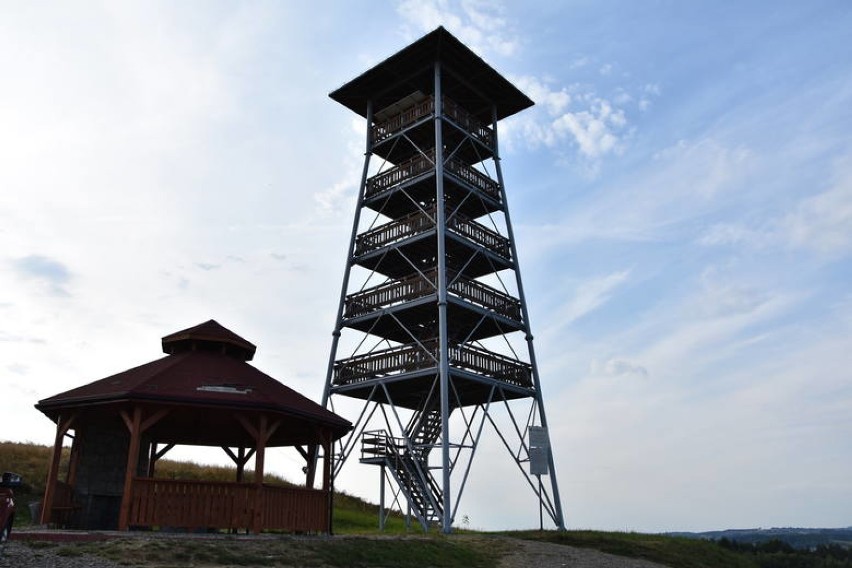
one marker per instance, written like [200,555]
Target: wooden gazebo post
[259,456]
[240,459]
[136,426]
[63,424]
[261,435]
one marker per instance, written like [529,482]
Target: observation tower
[432,337]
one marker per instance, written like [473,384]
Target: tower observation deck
[432,339]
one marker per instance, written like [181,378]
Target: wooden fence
[168,503]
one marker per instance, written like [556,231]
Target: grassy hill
[353,516]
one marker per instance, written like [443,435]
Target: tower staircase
[407,460]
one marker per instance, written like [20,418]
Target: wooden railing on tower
[424,163]
[464,119]
[418,286]
[413,357]
[407,170]
[384,129]
[423,221]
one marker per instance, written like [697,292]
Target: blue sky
[681,195]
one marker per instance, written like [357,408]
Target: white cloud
[618,367]
[555,100]
[822,222]
[588,296]
[54,274]
[727,233]
[656,201]
[595,131]
[573,120]
[708,403]
[717,325]
[721,166]
[426,16]
[721,295]
[333,200]
[338,199]
[579,63]
[477,23]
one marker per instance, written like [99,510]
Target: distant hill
[800,538]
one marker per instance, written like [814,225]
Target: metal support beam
[560,522]
[444,364]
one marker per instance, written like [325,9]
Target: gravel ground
[519,554]
[21,555]
[531,554]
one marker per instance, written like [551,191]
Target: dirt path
[531,554]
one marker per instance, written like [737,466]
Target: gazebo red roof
[209,334]
[205,370]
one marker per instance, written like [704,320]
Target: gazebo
[202,393]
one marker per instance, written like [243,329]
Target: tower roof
[471,81]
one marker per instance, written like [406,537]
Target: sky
[681,195]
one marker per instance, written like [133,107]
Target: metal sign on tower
[432,338]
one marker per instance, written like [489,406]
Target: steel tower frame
[439,335]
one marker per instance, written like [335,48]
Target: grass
[355,552]
[157,553]
[405,552]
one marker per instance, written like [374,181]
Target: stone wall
[104,441]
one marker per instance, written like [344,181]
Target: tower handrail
[425,162]
[412,357]
[379,444]
[390,293]
[421,221]
[479,233]
[417,286]
[486,362]
[387,128]
[473,177]
[409,169]
[402,228]
[383,130]
[487,296]
[466,120]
